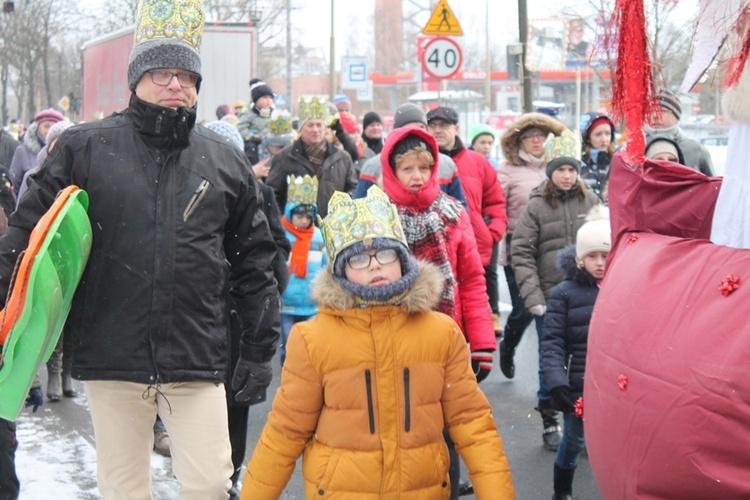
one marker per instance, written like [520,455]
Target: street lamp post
[289,83]
[332,64]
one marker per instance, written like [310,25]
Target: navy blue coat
[566,326]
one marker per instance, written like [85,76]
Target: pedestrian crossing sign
[443,21]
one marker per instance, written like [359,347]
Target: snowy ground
[56,454]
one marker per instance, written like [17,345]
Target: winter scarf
[427,234]
[375,144]
[537,161]
[316,154]
[301,247]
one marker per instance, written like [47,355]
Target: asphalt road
[56,452]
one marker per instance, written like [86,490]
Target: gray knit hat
[409,113]
[168,34]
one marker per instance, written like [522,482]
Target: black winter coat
[595,174]
[175,213]
[337,173]
[566,326]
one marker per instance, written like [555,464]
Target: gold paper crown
[314,109]
[351,221]
[281,122]
[178,19]
[563,145]
[302,190]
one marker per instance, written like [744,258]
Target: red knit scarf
[301,247]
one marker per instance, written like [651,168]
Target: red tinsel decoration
[737,63]
[633,95]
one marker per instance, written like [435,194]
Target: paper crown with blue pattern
[351,221]
[302,190]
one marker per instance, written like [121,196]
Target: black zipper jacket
[175,213]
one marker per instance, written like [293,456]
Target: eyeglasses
[163,78]
[534,137]
[433,125]
[363,260]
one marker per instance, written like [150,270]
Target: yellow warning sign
[443,21]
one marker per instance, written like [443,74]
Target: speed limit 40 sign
[442,57]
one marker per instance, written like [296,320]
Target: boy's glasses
[362,260]
[163,78]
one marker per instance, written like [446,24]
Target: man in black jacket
[175,213]
[313,155]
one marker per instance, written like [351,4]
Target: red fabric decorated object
[680,348]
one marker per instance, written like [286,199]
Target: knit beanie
[370,118]
[670,102]
[409,113]
[54,133]
[259,88]
[48,115]
[481,129]
[228,132]
[342,102]
[404,146]
[595,234]
[660,145]
[167,35]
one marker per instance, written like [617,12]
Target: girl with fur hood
[523,170]
[565,337]
[549,223]
[370,383]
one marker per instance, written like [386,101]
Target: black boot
[563,483]
[507,366]
[552,433]
[511,339]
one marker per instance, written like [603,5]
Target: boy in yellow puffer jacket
[370,383]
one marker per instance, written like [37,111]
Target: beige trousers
[195,415]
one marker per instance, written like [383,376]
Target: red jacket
[485,198]
[472,310]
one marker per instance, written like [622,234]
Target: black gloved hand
[250,380]
[481,363]
[561,399]
[35,398]
[336,125]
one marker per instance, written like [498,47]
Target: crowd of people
[368,258]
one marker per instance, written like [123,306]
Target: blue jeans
[572,444]
[287,322]
[543,393]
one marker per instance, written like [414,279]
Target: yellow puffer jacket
[365,394]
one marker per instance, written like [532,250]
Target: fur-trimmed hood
[510,141]
[30,139]
[422,297]
[568,264]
